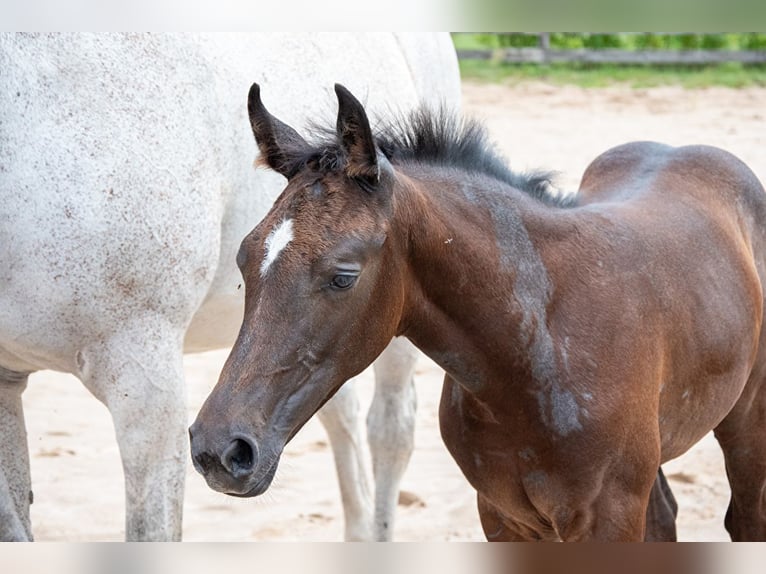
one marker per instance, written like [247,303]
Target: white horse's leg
[15,484]
[391,428]
[340,417]
[138,375]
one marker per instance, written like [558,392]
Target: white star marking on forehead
[277,240]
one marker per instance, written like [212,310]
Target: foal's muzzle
[228,466]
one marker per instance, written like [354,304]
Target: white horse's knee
[154,449]
[340,417]
[143,387]
[391,428]
[14,517]
[341,412]
[391,420]
[15,484]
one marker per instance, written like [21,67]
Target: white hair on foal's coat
[277,240]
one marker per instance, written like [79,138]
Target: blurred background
[692,60]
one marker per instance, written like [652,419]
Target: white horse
[126,185]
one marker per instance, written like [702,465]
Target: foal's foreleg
[15,484]
[340,417]
[496,528]
[618,511]
[138,375]
[391,428]
[661,512]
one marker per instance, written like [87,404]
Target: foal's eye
[341,282]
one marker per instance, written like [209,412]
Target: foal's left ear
[356,137]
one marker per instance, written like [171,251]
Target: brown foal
[585,341]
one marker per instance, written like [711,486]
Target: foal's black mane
[443,138]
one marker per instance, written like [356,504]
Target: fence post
[545,46]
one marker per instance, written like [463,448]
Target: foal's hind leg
[742,436]
[15,485]
[340,417]
[661,512]
[138,375]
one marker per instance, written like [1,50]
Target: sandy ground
[77,477]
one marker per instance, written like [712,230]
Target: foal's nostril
[239,457]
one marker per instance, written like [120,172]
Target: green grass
[647,41]
[733,75]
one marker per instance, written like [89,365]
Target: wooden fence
[544,54]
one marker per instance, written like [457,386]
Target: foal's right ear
[278,142]
[355,134]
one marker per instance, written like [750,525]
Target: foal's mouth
[261,485]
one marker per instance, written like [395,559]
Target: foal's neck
[479,288]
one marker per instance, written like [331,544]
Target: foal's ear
[356,137]
[277,141]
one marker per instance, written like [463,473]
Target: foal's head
[323,296]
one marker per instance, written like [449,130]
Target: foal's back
[664,195]
[651,171]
